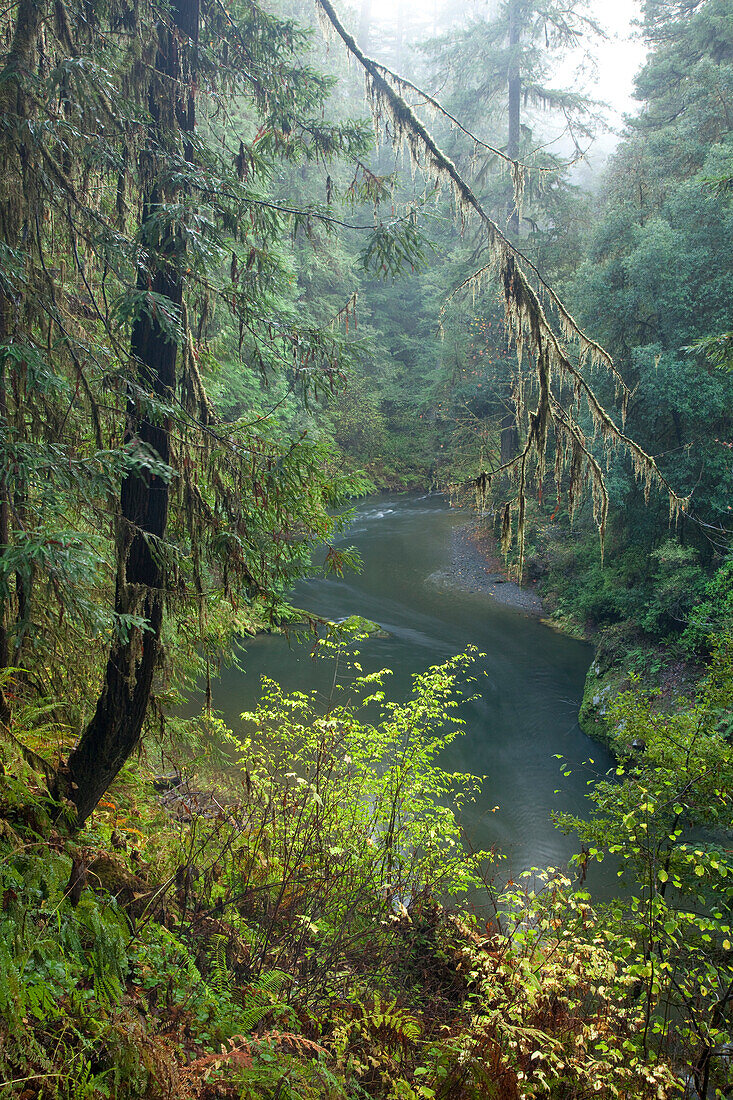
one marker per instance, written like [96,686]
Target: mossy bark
[117,723]
[15,109]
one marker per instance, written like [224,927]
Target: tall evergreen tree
[502,67]
[127,222]
[142,522]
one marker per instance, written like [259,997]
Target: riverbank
[188,957]
[475,567]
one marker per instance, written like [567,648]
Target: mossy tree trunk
[115,728]
[15,173]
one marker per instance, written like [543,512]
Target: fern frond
[220,976]
[273,982]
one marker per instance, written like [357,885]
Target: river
[530,680]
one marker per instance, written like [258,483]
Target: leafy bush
[666,819]
[300,940]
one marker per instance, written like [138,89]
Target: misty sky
[621,57]
[618,59]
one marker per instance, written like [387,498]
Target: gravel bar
[471,571]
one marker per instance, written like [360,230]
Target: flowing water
[529,695]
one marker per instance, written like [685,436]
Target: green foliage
[63,969]
[712,618]
[284,929]
[665,820]
[302,944]
[383,783]
[652,597]
[657,279]
[395,247]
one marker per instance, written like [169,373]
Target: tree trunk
[514,85]
[5,713]
[509,435]
[365,25]
[23,581]
[14,107]
[509,444]
[400,35]
[116,726]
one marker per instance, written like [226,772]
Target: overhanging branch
[526,319]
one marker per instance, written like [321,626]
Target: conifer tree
[502,68]
[118,719]
[128,220]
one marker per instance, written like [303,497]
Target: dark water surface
[529,695]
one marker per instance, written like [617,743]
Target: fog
[618,58]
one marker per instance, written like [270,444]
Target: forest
[274,271]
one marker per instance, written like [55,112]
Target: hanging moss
[559,349]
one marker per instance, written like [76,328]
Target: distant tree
[504,67]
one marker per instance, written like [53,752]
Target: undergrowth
[298,930]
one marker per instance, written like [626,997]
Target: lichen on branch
[559,351]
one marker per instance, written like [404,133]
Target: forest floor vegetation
[297,925]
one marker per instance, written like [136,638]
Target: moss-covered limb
[29,755]
[527,321]
[517,168]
